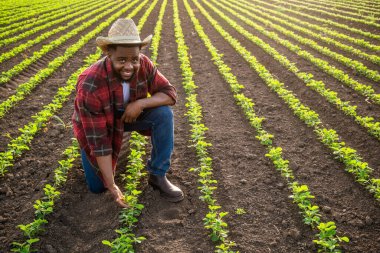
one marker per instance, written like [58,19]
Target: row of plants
[45,205]
[372,58]
[154,45]
[18,145]
[299,22]
[214,217]
[359,4]
[30,14]
[318,86]
[318,19]
[340,75]
[7,75]
[53,18]
[352,16]
[302,6]
[26,88]
[9,6]
[358,67]
[353,162]
[16,50]
[129,216]
[301,194]
[9,10]
[350,6]
[135,171]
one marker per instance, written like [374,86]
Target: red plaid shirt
[100,94]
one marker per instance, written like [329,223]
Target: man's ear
[109,51]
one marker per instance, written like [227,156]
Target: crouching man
[112,97]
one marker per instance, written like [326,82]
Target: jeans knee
[165,113]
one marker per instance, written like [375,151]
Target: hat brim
[103,42]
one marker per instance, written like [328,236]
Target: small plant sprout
[240,211]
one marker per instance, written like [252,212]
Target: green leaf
[106,242]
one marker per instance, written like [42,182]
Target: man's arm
[90,112]
[105,166]
[134,109]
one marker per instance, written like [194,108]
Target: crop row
[8,7]
[351,6]
[301,193]
[7,10]
[135,171]
[322,20]
[128,216]
[357,3]
[358,67]
[214,218]
[353,162]
[301,6]
[360,3]
[45,205]
[24,89]
[7,75]
[34,29]
[320,29]
[372,58]
[30,14]
[340,75]
[338,13]
[318,86]
[16,50]
[53,17]
[154,45]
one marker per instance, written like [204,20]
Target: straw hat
[122,32]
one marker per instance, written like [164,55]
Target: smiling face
[125,60]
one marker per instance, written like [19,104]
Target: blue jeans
[159,121]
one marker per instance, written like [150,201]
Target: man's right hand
[118,195]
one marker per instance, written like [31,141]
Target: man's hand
[118,195]
[132,111]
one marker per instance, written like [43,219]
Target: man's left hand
[132,111]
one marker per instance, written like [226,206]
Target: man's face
[125,61]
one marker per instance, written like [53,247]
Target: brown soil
[246,178]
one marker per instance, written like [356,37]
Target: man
[112,97]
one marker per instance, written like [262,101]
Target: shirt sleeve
[157,82]
[93,119]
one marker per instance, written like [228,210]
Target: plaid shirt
[100,95]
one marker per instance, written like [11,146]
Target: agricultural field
[277,128]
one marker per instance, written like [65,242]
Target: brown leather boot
[167,190]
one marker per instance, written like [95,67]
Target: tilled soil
[246,178]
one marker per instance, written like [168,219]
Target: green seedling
[240,211]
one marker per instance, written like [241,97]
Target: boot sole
[165,196]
